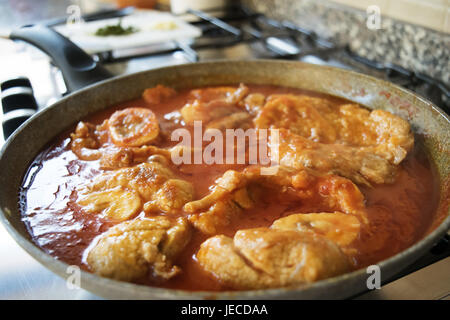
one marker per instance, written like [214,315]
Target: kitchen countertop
[22,277]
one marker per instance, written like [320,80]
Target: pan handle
[78,68]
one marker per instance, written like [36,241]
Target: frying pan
[79,70]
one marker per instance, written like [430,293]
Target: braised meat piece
[158,94]
[235,192]
[136,249]
[115,158]
[300,114]
[218,108]
[254,102]
[341,228]
[120,193]
[316,119]
[359,164]
[238,119]
[231,95]
[225,202]
[85,141]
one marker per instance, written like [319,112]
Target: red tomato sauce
[400,212]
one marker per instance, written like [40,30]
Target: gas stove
[227,33]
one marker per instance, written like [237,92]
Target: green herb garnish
[115,30]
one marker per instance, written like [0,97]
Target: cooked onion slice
[133,127]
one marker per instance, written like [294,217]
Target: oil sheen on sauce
[400,213]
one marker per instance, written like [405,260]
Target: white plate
[153,27]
